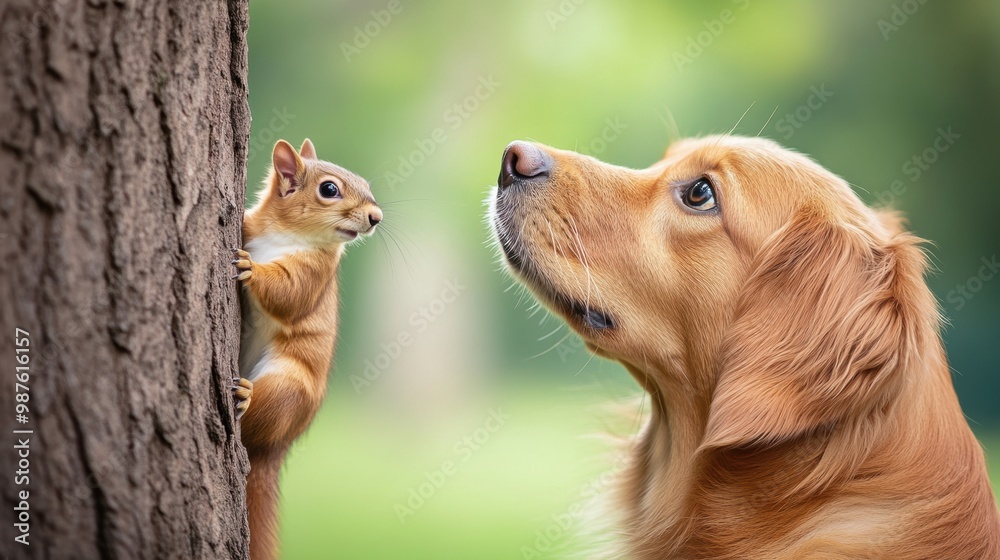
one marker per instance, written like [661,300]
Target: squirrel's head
[316,198]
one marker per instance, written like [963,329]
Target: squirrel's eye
[328,189]
[700,195]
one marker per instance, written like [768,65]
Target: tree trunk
[123,144]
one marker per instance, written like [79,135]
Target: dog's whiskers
[741,118]
[557,329]
[673,132]
[767,122]
[586,266]
[583,258]
[574,276]
[590,359]
[553,347]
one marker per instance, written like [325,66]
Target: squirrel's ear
[288,168]
[307,150]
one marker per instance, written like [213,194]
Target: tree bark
[123,145]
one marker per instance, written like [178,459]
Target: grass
[346,481]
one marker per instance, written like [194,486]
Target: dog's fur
[802,405]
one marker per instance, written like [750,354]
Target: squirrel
[293,240]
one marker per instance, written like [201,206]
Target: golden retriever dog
[802,405]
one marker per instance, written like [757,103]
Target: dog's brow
[685,171]
[710,163]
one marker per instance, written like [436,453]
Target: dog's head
[732,270]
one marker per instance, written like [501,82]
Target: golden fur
[294,239]
[802,405]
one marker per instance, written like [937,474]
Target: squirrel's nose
[374,217]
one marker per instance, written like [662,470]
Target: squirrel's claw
[243,264]
[242,393]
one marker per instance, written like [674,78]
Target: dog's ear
[821,332]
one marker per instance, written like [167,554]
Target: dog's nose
[523,162]
[374,217]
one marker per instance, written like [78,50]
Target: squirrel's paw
[243,264]
[242,392]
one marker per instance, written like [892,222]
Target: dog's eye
[597,320]
[328,189]
[700,195]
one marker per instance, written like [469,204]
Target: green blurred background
[421,99]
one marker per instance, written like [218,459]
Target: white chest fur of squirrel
[294,237]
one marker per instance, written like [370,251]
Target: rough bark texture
[123,142]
